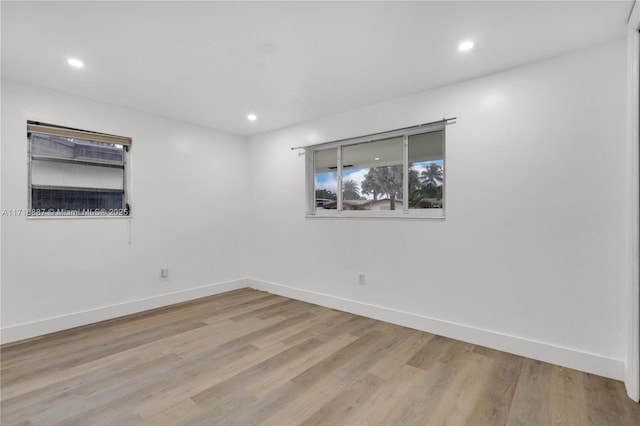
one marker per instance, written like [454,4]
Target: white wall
[188,203]
[532,257]
[632,365]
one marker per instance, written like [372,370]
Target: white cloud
[357,176]
[329,182]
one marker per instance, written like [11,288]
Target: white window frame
[55,130]
[406,212]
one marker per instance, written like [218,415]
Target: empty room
[331,212]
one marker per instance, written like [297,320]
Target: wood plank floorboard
[247,357]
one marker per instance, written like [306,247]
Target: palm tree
[350,190]
[432,179]
[433,175]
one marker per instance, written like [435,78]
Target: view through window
[401,173]
[72,174]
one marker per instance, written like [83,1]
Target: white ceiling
[212,63]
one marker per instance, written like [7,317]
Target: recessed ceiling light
[76,63]
[377,159]
[466,46]
[252,117]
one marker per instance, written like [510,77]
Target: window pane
[372,177]
[53,173]
[76,149]
[426,170]
[60,200]
[326,179]
[74,176]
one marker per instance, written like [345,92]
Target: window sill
[80,217]
[354,214]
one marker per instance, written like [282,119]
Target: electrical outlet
[164,272]
[362,278]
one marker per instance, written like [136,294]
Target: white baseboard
[49,325]
[566,357]
[584,361]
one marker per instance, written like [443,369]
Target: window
[76,173]
[400,173]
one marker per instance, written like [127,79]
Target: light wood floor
[248,357]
